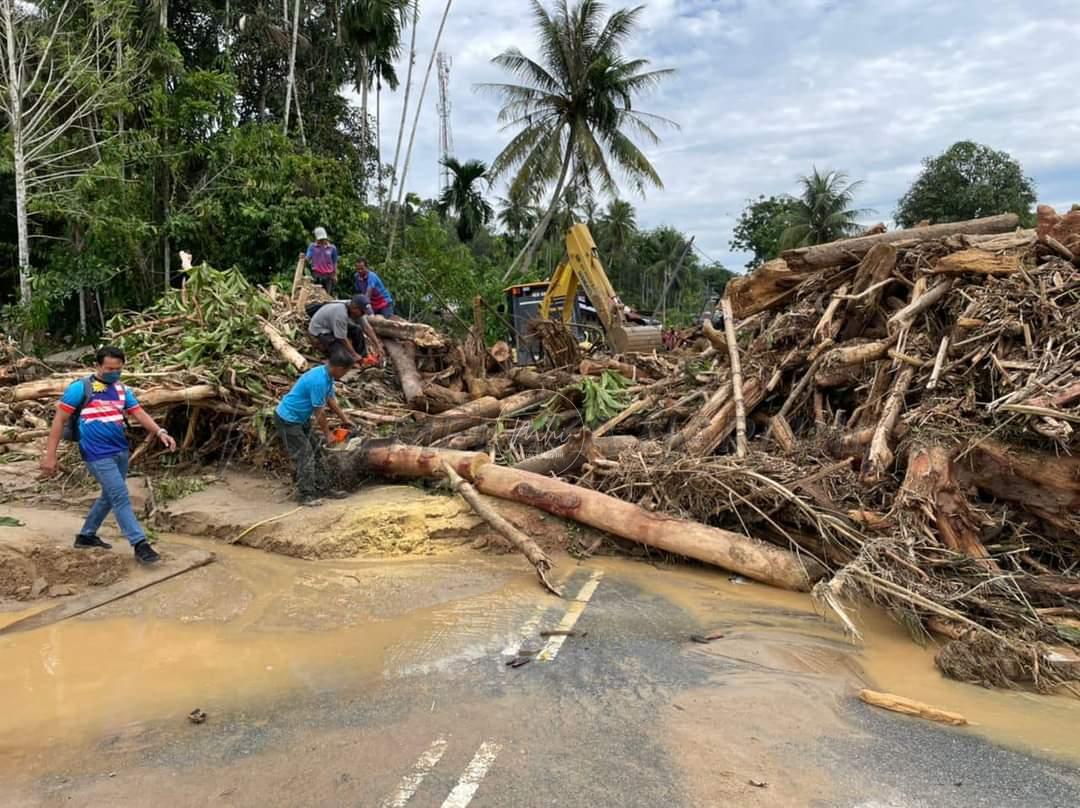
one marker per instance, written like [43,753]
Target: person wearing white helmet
[322,255]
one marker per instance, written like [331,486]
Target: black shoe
[145,553]
[337,495]
[84,540]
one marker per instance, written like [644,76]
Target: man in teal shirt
[312,394]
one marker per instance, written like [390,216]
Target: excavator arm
[582,267]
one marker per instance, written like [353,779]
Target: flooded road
[385,683]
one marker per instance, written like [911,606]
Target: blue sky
[765,89]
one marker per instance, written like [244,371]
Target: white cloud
[767,88]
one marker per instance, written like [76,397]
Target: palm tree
[618,226]
[822,212]
[372,33]
[575,110]
[518,212]
[463,199]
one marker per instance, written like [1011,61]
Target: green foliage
[761,226]
[967,181]
[170,487]
[220,309]
[604,397]
[822,212]
[463,199]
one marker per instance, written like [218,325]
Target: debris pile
[890,417]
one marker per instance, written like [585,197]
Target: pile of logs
[888,417]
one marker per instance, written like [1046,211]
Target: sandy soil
[38,561]
[377,521]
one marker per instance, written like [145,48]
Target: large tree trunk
[402,355]
[722,424]
[412,134]
[580,449]
[419,333]
[733,551]
[850,251]
[478,411]
[291,82]
[930,492]
[1046,485]
[15,91]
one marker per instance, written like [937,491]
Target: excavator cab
[581,280]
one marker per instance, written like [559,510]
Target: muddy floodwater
[252,629]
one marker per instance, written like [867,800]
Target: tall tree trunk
[404,106]
[412,135]
[15,92]
[292,63]
[378,135]
[525,257]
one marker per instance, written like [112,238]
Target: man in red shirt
[323,257]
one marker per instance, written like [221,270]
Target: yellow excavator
[625,330]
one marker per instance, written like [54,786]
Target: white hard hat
[320,233]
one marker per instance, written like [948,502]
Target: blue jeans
[111,474]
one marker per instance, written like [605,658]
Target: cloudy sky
[767,88]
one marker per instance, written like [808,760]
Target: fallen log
[543,380]
[14,434]
[423,335]
[476,412]
[596,367]
[930,491]
[769,286]
[402,355]
[736,379]
[850,251]
[440,399]
[580,449]
[1044,484]
[900,704]
[518,540]
[920,303]
[298,276]
[184,395]
[733,551]
[977,262]
[871,278]
[881,457]
[722,424]
[282,346]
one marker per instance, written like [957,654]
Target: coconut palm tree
[518,212]
[464,199]
[618,226]
[372,34]
[822,212]
[574,110]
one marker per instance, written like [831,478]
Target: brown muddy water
[253,627]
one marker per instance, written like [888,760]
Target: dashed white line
[411,781]
[474,773]
[551,648]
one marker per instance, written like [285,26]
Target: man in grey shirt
[343,323]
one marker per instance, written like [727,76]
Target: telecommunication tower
[446,136]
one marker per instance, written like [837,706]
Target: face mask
[112,377]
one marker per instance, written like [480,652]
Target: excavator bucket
[636,338]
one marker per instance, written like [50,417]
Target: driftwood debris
[520,542]
[906,706]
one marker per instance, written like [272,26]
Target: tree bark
[478,411]
[881,456]
[402,354]
[899,704]
[282,346]
[575,452]
[977,262]
[440,399]
[15,98]
[920,303]
[768,287]
[931,489]
[546,380]
[291,81]
[733,551]
[875,268]
[722,424]
[183,395]
[850,251]
[736,379]
[518,540]
[419,333]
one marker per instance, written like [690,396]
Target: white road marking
[474,773]
[526,631]
[551,648]
[411,781]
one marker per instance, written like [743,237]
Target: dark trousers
[306,450]
[325,281]
[326,342]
